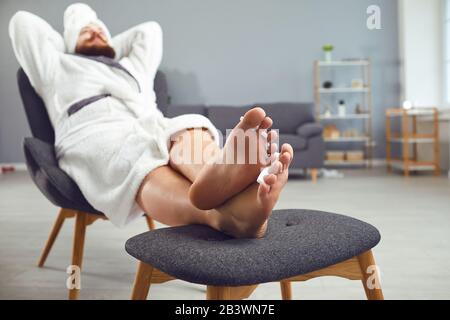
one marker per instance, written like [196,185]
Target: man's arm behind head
[37,46]
[143,45]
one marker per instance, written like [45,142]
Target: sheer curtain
[446,47]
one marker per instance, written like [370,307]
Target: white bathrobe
[109,146]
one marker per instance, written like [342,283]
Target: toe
[287,148]
[270,179]
[285,159]
[273,148]
[263,191]
[272,136]
[266,123]
[264,188]
[276,167]
[252,118]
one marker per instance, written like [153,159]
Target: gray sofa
[295,122]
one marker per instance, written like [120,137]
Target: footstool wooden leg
[370,274]
[142,281]
[286,290]
[229,293]
[218,293]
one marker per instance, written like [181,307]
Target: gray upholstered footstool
[299,245]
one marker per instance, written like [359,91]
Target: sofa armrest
[54,183]
[309,130]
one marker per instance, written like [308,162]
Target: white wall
[421,51]
[222,52]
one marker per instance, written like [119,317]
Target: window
[446,47]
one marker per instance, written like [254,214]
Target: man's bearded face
[92,41]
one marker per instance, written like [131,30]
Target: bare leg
[189,158]
[164,196]
[164,192]
[246,214]
[216,174]
[236,166]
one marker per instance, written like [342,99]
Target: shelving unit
[408,138]
[347,139]
[343,90]
[348,116]
[365,141]
[346,163]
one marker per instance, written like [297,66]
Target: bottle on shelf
[327,112]
[358,109]
[342,109]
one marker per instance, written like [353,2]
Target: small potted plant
[327,49]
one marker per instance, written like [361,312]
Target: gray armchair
[39,150]
[40,157]
[53,182]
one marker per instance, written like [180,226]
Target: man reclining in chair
[125,156]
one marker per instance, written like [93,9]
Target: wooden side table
[409,137]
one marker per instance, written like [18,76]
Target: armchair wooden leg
[63,214]
[78,247]
[286,290]
[150,222]
[314,173]
[142,281]
[370,273]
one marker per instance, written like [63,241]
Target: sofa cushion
[178,110]
[226,117]
[287,117]
[309,130]
[297,142]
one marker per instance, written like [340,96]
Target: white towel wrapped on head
[76,17]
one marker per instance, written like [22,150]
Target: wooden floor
[413,216]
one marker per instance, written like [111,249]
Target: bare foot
[226,175]
[246,214]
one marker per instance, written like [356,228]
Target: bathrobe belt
[83,103]
[109,62]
